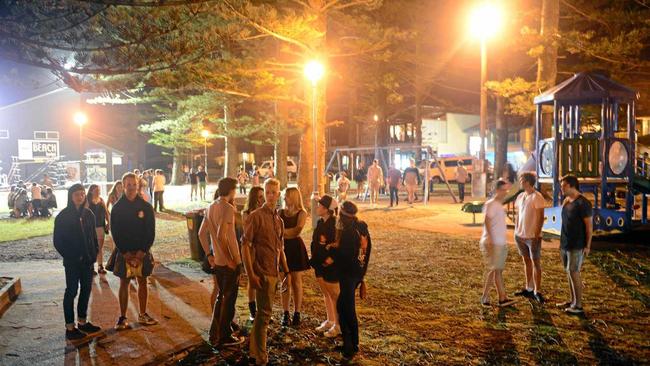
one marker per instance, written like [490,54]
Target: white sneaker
[334,331]
[324,326]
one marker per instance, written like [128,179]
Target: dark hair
[529,177]
[89,193]
[226,185]
[500,183]
[251,202]
[572,181]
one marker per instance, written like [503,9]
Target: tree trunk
[547,61]
[281,150]
[232,157]
[177,168]
[501,145]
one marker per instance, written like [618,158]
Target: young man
[194,185]
[158,190]
[360,178]
[375,181]
[411,181]
[461,179]
[219,241]
[493,245]
[575,239]
[36,199]
[342,184]
[202,176]
[394,177]
[263,235]
[133,229]
[76,240]
[528,235]
[242,178]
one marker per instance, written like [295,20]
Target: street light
[80,119]
[484,23]
[205,134]
[314,71]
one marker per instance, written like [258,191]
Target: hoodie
[74,233]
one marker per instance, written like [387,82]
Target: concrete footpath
[32,330]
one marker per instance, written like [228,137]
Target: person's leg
[498,282]
[536,255]
[296,286]
[85,285]
[215,290]
[264,298]
[226,302]
[252,306]
[143,293]
[100,247]
[216,307]
[72,277]
[576,257]
[489,280]
[347,315]
[123,295]
[565,265]
[392,196]
[333,295]
[326,298]
[286,296]
[528,271]
[162,201]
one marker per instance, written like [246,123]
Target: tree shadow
[191,292]
[605,354]
[497,344]
[546,344]
[618,268]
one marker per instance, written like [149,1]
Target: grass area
[423,308]
[16,229]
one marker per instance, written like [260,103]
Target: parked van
[449,165]
[266,166]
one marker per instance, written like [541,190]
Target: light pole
[205,134]
[314,71]
[81,119]
[485,21]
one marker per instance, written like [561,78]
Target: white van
[449,165]
[266,166]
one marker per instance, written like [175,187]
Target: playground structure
[592,136]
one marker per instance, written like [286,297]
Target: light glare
[80,118]
[314,71]
[485,20]
[205,134]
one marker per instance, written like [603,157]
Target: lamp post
[81,119]
[485,22]
[205,134]
[314,71]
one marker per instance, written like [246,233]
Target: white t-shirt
[527,216]
[494,227]
[344,184]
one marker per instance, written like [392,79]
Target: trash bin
[194,219]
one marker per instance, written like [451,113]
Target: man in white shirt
[158,190]
[493,245]
[528,235]
[343,184]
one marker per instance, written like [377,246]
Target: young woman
[144,188]
[102,222]
[352,255]
[322,260]
[254,201]
[115,194]
[294,216]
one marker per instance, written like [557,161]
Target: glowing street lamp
[205,134]
[485,22]
[314,71]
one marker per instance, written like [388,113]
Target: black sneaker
[525,293]
[89,328]
[539,298]
[74,334]
[296,319]
[285,319]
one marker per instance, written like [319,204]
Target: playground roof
[585,88]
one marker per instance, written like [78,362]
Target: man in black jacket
[76,240]
[133,228]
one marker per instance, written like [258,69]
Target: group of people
[274,257]
[151,185]
[79,231]
[31,200]
[575,240]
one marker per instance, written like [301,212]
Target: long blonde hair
[294,196]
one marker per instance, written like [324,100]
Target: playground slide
[641,184]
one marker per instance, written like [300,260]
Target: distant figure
[115,194]
[375,181]
[49,202]
[95,203]
[47,181]
[242,179]
[461,179]
[342,184]
[360,178]
[256,176]
[411,181]
[194,184]
[36,199]
[159,182]
[394,177]
[203,181]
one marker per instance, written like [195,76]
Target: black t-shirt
[573,234]
[201,176]
[194,179]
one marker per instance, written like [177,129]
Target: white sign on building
[37,149]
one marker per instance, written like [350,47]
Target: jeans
[348,313]
[77,275]
[242,188]
[224,307]
[158,201]
[461,191]
[264,299]
[394,194]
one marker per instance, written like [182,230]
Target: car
[449,165]
[267,165]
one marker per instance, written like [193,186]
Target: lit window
[46,135]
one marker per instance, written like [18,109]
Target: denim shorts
[530,248]
[572,259]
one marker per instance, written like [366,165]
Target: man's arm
[204,236]
[540,222]
[589,230]
[247,247]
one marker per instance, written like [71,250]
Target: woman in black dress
[322,260]
[294,216]
[102,222]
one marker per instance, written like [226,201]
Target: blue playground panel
[604,220]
